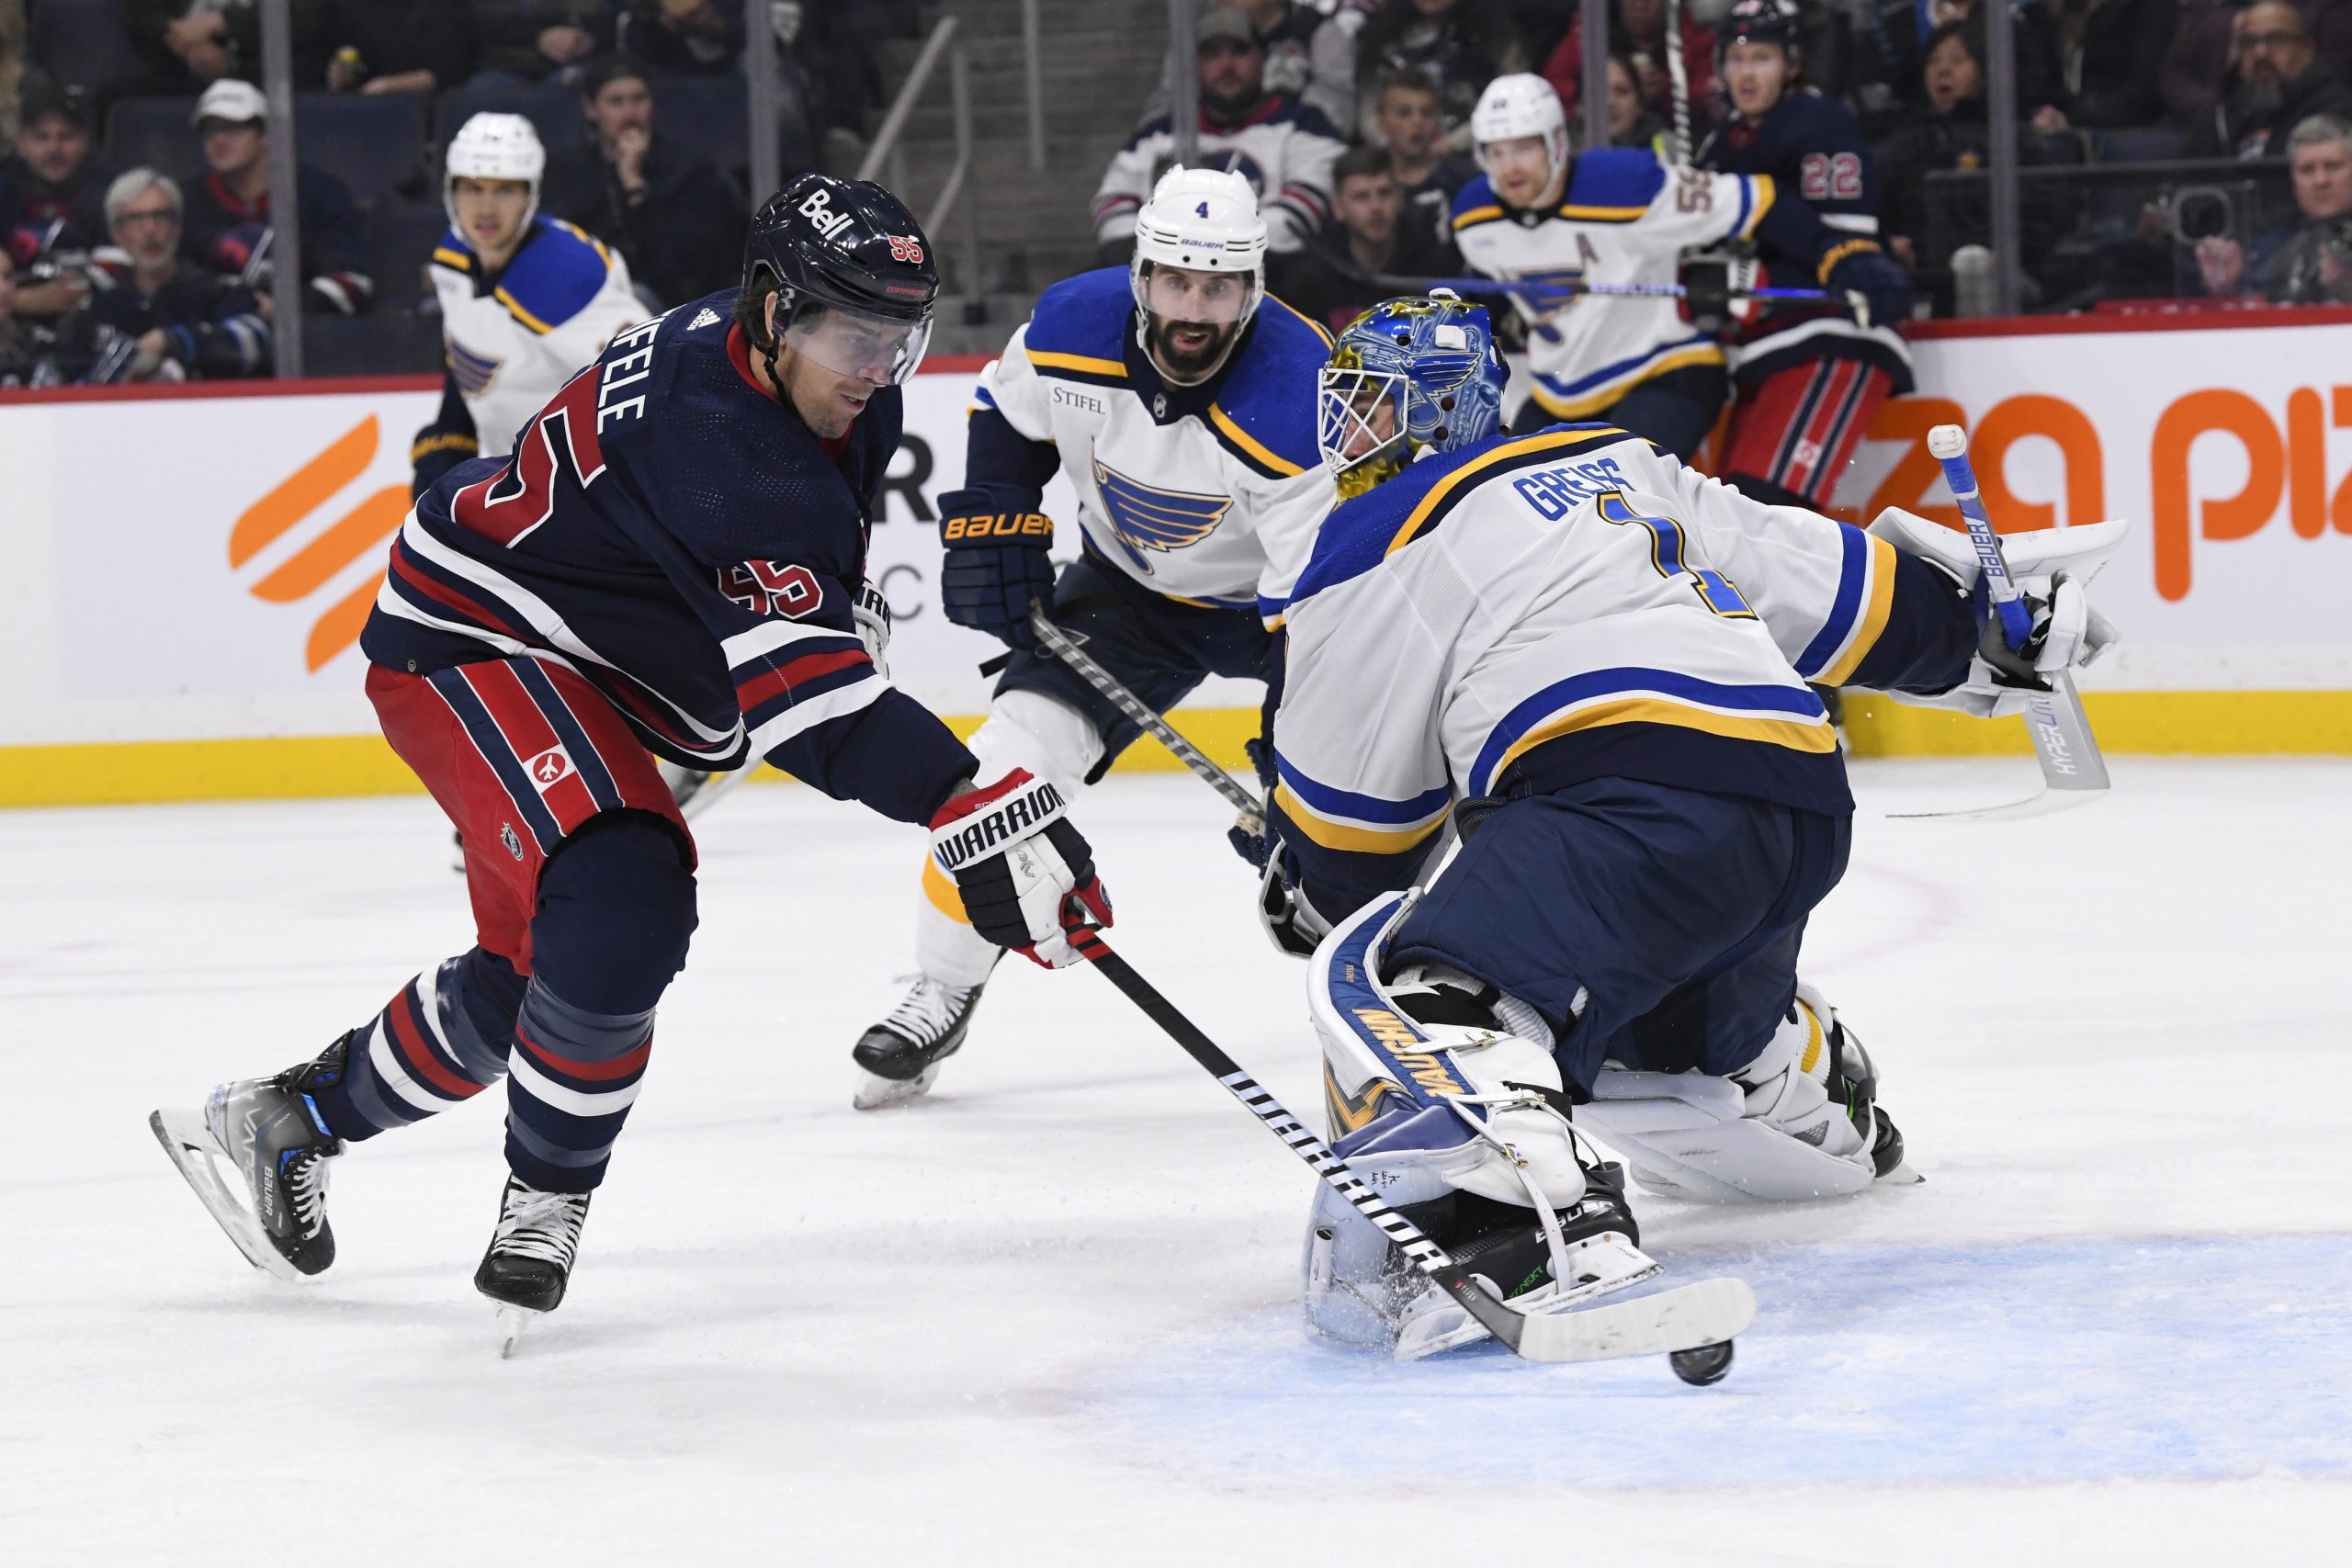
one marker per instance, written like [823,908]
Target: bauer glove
[997,562]
[1017,859]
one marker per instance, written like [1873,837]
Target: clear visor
[1202,299]
[1359,414]
[849,342]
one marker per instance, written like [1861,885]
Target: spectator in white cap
[228,225]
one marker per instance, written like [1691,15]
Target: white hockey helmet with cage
[1517,107]
[1202,220]
[493,147]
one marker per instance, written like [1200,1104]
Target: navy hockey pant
[1157,646]
[1654,927]
[1675,410]
[581,875]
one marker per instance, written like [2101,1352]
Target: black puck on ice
[1702,1364]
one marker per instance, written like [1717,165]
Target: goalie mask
[1408,376]
[1199,270]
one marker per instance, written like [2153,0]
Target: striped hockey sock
[575,1074]
[441,1039]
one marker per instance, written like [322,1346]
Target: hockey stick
[1678,76]
[1066,648]
[1693,1324]
[2073,772]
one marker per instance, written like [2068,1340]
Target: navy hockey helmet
[1408,376]
[1763,21]
[852,274]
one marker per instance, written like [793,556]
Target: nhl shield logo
[550,768]
[506,836]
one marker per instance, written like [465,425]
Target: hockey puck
[1702,1364]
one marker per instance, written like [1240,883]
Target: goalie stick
[1692,1325]
[2073,772]
[1066,648]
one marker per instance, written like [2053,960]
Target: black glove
[996,564]
[1864,269]
[1018,862]
[1250,846]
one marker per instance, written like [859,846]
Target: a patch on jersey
[472,372]
[1142,517]
[705,317]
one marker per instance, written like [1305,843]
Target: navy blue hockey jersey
[689,546]
[1811,146]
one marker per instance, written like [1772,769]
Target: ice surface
[1048,1316]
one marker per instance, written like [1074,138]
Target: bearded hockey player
[1619,215]
[668,566]
[526,300]
[1177,399]
[1806,377]
[1593,662]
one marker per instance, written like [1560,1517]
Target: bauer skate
[530,1256]
[899,1058]
[269,1132]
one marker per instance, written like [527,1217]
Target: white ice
[1049,1316]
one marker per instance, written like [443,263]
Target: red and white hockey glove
[1016,859]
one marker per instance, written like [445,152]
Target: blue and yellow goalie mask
[1408,377]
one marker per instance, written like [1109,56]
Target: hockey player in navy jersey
[669,565]
[1178,400]
[1620,215]
[526,300]
[1592,661]
[1806,377]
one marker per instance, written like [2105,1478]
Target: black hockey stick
[1693,1323]
[1065,648]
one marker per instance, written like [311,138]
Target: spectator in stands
[19,350]
[1285,148]
[685,37]
[12,65]
[183,44]
[1638,28]
[168,320]
[52,207]
[1340,273]
[1463,44]
[1309,55]
[676,218]
[226,227]
[537,40]
[1923,225]
[2196,61]
[2111,58]
[2308,262]
[397,46]
[2281,82]
[1889,67]
[1631,123]
[1407,120]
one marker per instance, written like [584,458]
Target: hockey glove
[1859,267]
[996,564]
[871,611]
[1295,926]
[1016,859]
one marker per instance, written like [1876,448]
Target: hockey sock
[440,1041]
[575,1076]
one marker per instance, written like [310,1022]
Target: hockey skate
[899,1058]
[268,1131]
[530,1255]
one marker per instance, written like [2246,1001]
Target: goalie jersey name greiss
[1625,218]
[1209,494]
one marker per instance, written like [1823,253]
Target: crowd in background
[1353,115]
[135,205]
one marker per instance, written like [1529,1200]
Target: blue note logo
[1142,517]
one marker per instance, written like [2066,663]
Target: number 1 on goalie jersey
[1715,591]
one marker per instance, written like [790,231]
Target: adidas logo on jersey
[705,317]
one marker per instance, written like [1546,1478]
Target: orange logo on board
[333,547]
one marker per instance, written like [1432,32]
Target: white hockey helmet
[1202,220]
[493,147]
[1521,106]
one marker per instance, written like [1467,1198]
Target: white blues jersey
[1208,494]
[1531,613]
[1625,218]
[514,339]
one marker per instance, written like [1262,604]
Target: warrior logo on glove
[1018,861]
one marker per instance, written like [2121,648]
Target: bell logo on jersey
[1144,517]
[299,546]
[550,768]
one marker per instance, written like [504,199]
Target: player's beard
[1181,365]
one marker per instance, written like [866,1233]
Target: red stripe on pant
[1799,428]
[533,739]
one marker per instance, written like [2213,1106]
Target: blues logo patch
[1142,517]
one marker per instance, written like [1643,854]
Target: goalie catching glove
[1017,860]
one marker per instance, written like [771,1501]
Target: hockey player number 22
[1670,554]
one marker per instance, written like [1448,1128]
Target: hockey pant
[1793,432]
[1654,927]
[1674,411]
[582,877]
[1045,716]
